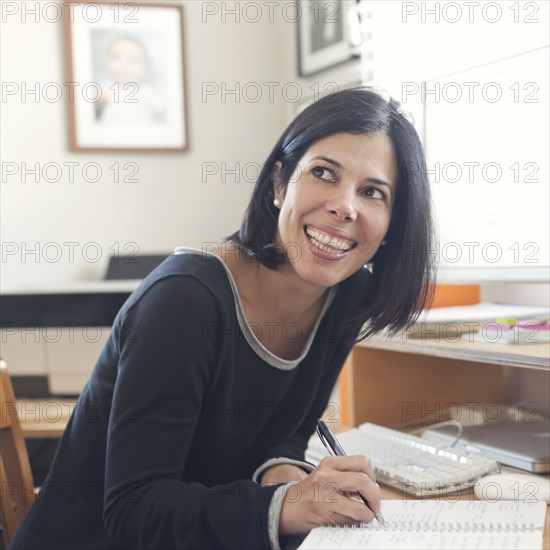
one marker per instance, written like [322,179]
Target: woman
[192,429]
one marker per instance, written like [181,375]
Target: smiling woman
[220,363]
[350,166]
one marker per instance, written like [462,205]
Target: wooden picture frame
[324,35]
[126,69]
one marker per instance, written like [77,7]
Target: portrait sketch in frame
[324,34]
[126,64]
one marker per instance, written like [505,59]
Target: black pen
[331,443]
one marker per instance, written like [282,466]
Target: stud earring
[277,203]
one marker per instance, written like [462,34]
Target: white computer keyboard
[408,462]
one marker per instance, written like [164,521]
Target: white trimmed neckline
[255,344]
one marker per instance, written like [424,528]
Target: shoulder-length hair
[402,270]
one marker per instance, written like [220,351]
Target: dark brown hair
[402,270]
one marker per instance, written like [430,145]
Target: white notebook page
[416,524]
[355,539]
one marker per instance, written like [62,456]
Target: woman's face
[126,61]
[344,185]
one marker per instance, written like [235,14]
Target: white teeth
[323,238]
[325,247]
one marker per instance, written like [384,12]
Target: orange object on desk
[456,295]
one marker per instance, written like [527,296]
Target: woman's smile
[326,246]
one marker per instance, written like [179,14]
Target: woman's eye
[375,193]
[322,173]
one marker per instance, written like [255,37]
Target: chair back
[16,484]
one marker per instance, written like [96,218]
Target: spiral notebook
[416,524]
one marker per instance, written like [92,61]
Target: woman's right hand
[326,496]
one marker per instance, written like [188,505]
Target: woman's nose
[342,205]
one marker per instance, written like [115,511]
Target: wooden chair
[16,484]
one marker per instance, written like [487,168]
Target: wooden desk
[44,419]
[399,380]
[532,356]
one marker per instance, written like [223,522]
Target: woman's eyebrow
[331,161]
[338,165]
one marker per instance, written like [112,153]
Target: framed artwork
[126,66]
[325,32]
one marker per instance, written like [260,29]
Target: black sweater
[181,408]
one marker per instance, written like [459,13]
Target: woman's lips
[329,256]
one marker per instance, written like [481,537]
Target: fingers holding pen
[328,495]
[355,475]
[353,463]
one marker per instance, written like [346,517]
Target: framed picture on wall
[324,34]
[126,69]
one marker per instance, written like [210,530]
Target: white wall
[312,87]
[529,294]
[414,41]
[170,205]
